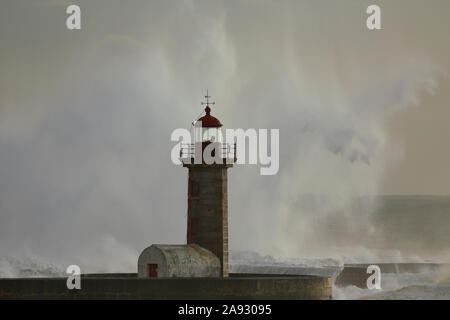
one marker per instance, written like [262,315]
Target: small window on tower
[193,226]
[152,270]
[194,188]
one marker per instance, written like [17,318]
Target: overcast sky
[86,116]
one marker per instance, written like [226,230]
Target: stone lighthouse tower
[207,224]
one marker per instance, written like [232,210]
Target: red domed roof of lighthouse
[208,121]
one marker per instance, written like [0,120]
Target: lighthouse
[207,209]
[205,253]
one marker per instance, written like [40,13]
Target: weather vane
[207,99]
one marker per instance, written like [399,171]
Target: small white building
[184,260]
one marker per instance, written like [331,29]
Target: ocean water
[427,284]
[401,286]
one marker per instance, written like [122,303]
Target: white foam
[28,268]
[400,286]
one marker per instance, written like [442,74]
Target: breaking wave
[28,268]
[403,286]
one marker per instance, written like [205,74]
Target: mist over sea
[392,228]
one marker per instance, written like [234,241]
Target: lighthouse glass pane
[212,134]
[197,133]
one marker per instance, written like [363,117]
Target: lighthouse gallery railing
[227,150]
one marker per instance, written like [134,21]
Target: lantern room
[207,128]
[207,131]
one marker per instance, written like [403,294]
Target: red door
[153,271]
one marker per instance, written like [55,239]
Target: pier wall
[296,287]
